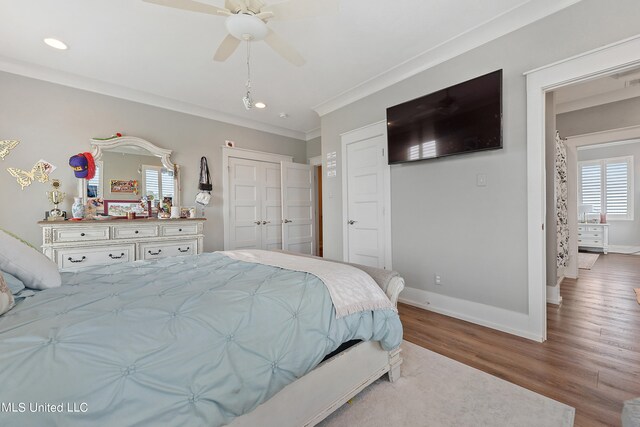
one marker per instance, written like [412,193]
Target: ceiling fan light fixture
[248,102]
[55,43]
[260,105]
[246,27]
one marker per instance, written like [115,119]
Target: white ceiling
[162,56]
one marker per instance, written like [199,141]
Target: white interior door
[244,204]
[297,208]
[366,186]
[271,212]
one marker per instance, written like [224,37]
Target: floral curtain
[561,202]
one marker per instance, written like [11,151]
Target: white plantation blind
[151,183]
[96,181]
[167,183]
[591,185]
[158,182]
[607,185]
[617,188]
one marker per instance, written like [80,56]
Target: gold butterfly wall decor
[6,146]
[25,179]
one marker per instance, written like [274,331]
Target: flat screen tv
[463,118]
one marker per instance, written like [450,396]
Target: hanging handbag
[205,187]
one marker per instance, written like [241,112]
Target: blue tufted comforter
[188,341]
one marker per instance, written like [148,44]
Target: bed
[199,340]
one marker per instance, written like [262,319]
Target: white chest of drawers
[74,245]
[593,236]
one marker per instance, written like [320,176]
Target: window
[94,185]
[607,185]
[158,182]
[425,150]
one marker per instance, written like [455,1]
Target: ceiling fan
[247,21]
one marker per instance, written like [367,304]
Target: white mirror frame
[98,146]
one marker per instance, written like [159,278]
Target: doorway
[318,190]
[366,197]
[616,58]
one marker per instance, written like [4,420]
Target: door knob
[351,222]
[257,222]
[266,222]
[287,221]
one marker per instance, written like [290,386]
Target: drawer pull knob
[184,250]
[77,260]
[82,234]
[137,232]
[155,253]
[179,229]
[116,257]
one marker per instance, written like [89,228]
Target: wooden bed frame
[312,398]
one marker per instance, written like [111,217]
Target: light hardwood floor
[591,359]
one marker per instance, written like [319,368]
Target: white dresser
[593,236]
[73,245]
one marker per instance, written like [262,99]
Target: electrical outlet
[438,280]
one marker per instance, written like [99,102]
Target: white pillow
[6,297]
[26,263]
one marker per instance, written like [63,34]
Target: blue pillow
[13,283]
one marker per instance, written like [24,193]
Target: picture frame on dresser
[119,208]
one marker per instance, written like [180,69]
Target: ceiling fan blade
[284,49]
[226,48]
[191,5]
[300,9]
[234,6]
[254,6]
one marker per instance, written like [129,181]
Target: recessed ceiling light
[284,115]
[260,105]
[56,44]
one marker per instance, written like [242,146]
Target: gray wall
[474,237]
[623,233]
[314,147]
[55,122]
[613,115]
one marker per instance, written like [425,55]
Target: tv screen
[460,119]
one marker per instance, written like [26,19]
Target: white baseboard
[620,249]
[553,293]
[503,320]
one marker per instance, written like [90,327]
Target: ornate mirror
[132,169]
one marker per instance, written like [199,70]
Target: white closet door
[365,165]
[271,211]
[297,208]
[245,193]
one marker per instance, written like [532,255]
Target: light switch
[481,180]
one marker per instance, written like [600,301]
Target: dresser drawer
[590,234]
[152,250]
[590,242]
[120,232]
[90,256]
[79,234]
[179,229]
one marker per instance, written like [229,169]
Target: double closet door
[271,206]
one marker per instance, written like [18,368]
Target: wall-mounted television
[463,118]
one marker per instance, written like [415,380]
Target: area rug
[437,391]
[586,260]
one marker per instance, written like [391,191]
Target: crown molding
[509,21]
[599,99]
[312,134]
[92,85]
